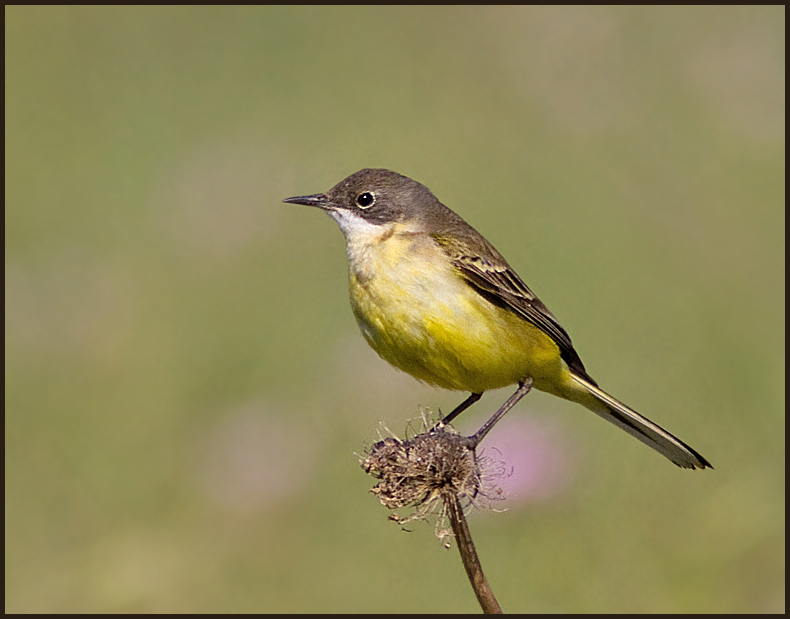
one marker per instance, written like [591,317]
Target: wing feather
[501,285]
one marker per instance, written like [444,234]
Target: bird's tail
[651,434]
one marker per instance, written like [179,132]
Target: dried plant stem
[463,538]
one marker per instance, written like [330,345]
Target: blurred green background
[186,388]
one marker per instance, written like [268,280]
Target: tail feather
[649,433]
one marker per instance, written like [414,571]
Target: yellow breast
[420,315]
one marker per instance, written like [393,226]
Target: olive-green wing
[500,284]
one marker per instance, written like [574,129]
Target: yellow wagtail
[435,299]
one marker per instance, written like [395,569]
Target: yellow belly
[418,314]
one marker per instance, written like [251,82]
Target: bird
[436,300]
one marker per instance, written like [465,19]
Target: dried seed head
[424,471]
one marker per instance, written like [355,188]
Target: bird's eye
[365,200]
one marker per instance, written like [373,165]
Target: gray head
[378,197]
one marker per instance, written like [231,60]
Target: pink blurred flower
[538,460]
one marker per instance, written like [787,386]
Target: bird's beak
[321,200]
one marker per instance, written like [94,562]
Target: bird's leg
[460,409]
[523,389]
